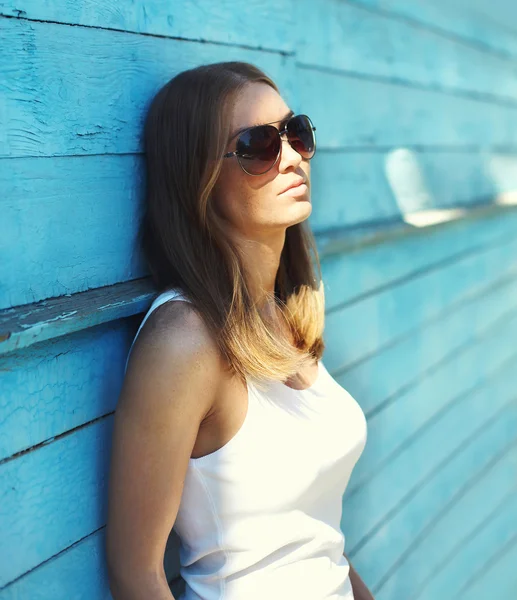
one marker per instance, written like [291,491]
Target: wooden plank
[75,112]
[26,325]
[460,471]
[78,572]
[455,19]
[434,391]
[23,326]
[457,524]
[353,187]
[52,497]
[52,388]
[362,114]
[353,38]
[378,320]
[366,269]
[396,369]
[236,22]
[457,568]
[75,246]
[498,577]
[416,438]
[85,119]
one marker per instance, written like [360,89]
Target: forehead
[257,103]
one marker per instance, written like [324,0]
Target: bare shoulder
[174,351]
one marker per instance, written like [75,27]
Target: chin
[300,210]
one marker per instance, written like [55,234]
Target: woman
[228,426]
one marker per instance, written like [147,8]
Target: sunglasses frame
[280,134]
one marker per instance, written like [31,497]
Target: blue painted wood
[499,577]
[39,189]
[357,186]
[474,508]
[427,392]
[368,269]
[79,572]
[78,113]
[408,450]
[429,501]
[469,559]
[264,24]
[26,325]
[457,18]
[354,39]
[424,116]
[395,311]
[415,104]
[52,497]
[89,119]
[56,387]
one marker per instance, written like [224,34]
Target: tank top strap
[172,294]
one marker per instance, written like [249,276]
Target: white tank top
[260,517]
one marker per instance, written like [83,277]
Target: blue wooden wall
[414,207]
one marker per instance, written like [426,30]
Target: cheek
[229,196]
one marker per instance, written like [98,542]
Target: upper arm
[171,380]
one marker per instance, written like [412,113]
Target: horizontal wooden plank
[378,380]
[422,429]
[377,320]
[497,577]
[24,326]
[93,243]
[52,497]
[354,187]
[63,255]
[79,572]
[85,118]
[450,483]
[52,388]
[362,114]
[379,265]
[28,324]
[349,37]
[469,559]
[431,388]
[472,22]
[77,111]
[236,22]
[456,524]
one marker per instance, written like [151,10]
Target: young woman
[229,428]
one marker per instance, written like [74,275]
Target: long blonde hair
[183,240]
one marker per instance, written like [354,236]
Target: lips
[296,183]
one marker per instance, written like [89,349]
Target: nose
[288,155]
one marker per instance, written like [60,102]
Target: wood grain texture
[353,38]
[75,90]
[73,246]
[415,104]
[228,22]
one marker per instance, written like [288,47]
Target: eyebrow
[242,129]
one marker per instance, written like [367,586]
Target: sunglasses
[258,148]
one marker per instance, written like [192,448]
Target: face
[257,206]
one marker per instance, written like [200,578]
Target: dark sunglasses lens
[258,149]
[300,134]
